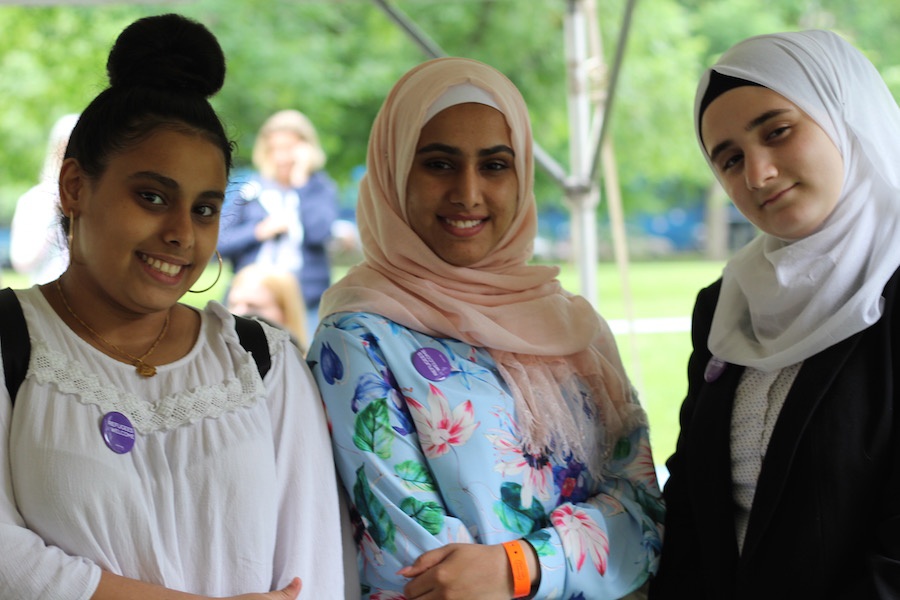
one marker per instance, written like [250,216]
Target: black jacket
[825,521]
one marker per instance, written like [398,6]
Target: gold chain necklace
[143,369]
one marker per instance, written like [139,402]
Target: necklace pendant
[145,370]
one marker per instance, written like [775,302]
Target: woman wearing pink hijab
[484,427]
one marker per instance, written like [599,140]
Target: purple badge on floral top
[431,364]
[118,432]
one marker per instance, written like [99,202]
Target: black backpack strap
[14,341]
[253,339]
[16,345]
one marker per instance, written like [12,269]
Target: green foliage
[652,123]
[51,63]
[333,61]
[336,59]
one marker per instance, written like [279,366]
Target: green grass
[656,362]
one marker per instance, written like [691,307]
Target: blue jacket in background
[318,211]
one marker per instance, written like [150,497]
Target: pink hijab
[539,335]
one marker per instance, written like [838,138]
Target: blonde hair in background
[292,121]
[56,147]
[286,291]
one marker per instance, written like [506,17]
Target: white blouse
[758,401]
[229,487]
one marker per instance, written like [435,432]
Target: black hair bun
[167,51]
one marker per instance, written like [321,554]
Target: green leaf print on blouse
[622,449]
[372,431]
[513,516]
[414,476]
[540,541]
[378,524]
[428,514]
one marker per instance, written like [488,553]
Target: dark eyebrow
[438,147]
[498,149]
[753,124]
[171,184]
[158,178]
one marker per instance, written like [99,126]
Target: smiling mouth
[776,196]
[463,224]
[161,266]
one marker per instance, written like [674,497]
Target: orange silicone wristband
[519,566]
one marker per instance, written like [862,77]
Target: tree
[48,67]
[336,60]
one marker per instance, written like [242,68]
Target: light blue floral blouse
[428,448]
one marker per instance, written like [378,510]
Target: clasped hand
[460,571]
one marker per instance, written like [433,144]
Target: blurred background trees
[336,59]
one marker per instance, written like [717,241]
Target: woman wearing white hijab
[786,481]
[475,403]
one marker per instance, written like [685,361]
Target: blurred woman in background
[37,248]
[271,294]
[282,217]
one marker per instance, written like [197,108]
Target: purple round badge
[714,369]
[431,364]
[117,432]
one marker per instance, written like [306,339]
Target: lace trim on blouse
[245,388]
[275,337]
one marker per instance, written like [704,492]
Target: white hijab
[784,301]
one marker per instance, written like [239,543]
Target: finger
[292,590]
[412,570]
[425,561]
[417,589]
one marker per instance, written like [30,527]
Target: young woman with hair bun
[146,454]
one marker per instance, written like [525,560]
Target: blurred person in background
[283,216]
[273,295]
[37,248]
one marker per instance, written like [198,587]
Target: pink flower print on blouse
[369,548]
[535,469]
[642,470]
[387,595]
[581,537]
[437,426]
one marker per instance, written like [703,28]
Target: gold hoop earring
[219,258]
[70,235]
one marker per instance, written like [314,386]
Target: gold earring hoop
[219,258]
[70,235]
